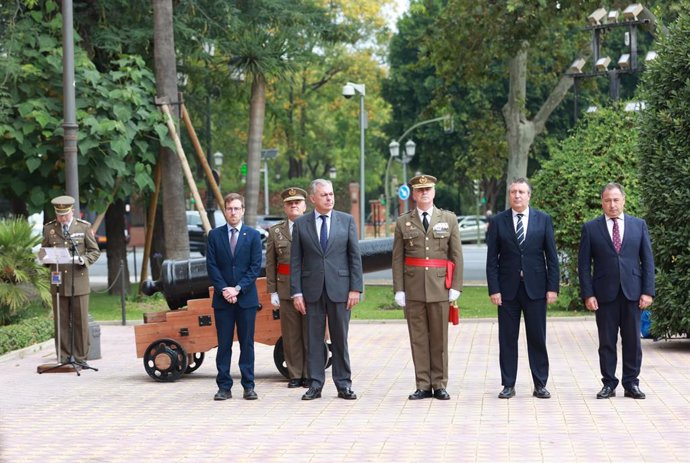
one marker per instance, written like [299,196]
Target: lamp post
[349,90]
[265,156]
[410,148]
[449,128]
[332,173]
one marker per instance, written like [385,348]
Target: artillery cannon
[174,342]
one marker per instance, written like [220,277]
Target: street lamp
[395,147]
[332,173]
[218,159]
[349,90]
[267,154]
[410,148]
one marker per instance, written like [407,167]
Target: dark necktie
[425,221]
[520,231]
[323,237]
[616,235]
[233,240]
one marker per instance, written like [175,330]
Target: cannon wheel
[165,360]
[194,361]
[279,356]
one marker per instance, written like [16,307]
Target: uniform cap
[293,194]
[63,204]
[422,181]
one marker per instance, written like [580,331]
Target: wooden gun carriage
[173,343]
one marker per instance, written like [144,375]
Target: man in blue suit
[326,283]
[523,276]
[233,262]
[616,270]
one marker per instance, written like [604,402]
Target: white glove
[400,298]
[453,294]
[275,300]
[80,261]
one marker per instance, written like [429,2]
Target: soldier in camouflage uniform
[60,233]
[426,240]
[292,323]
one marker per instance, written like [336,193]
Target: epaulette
[83,221]
[276,225]
[50,223]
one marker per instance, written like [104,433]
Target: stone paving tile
[119,414]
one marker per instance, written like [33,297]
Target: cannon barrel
[182,280]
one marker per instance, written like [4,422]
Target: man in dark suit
[616,270]
[293,326]
[326,282]
[233,262]
[523,276]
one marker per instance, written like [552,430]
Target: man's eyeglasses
[234,209]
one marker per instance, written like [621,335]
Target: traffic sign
[403,192]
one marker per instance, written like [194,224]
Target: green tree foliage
[120,127]
[601,149]
[21,277]
[665,166]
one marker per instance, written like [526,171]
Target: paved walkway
[119,414]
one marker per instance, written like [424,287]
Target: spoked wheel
[279,358]
[194,361]
[165,360]
[328,347]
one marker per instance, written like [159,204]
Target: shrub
[25,333]
[601,149]
[665,165]
[21,277]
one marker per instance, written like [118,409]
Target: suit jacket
[632,269]
[87,247]
[226,270]
[278,246]
[339,269]
[440,241]
[538,260]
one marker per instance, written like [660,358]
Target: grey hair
[612,186]
[521,180]
[319,182]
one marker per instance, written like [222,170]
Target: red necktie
[616,235]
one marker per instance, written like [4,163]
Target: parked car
[197,237]
[470,226]
[267,221]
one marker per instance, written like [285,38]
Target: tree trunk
[256,128]
[172,185]
[521,132]
[117,248]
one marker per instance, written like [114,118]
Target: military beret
[293,194]
[63,204]
[422,181]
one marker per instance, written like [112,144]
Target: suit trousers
[338,326]
[80,323]
[625,314]
[427,324]
[534,311]
[226,320]
[293,326]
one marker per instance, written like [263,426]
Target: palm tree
[22,278]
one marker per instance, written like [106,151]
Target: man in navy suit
[616,270]
[233,262]
[523,276]
[326,282]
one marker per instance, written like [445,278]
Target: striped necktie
[520,231]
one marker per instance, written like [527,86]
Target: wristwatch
[238,288]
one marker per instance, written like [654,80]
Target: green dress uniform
[75,282]
[292,323]
[426,294]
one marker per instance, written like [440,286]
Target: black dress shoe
[419,394]
[312,393]
[634,392]
[223,394]
[541,392]
[250,394]
[441,394]
[293,383]
[507,393]
[305,382]
[347,394]
[606,393]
